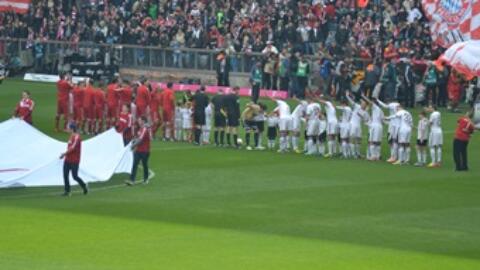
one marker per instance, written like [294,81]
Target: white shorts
[332,128]
[393,133]
[295,124]
[187,125]
[178,123]
[375,133]
[312,127]
[344,130]
[404,135]
[435,138]
[355,131]
[284,123]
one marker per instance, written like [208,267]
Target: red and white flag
[17,6]
[453,21]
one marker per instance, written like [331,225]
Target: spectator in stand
[430,80]
[223,69]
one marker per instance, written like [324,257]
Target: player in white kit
[375,131]
[393,126]
[178,122]
[359,114]
[295,125]
[422,138]
[208,124]
[404,134]
[435,139]
[332,127]
[344,126]
[312,115]
[284,119]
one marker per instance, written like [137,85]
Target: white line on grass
[151,174]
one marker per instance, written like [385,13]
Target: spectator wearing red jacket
[72,161]
[465,128]
[141,146]
[24,108]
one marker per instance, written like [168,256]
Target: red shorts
[62,107]
[112,112]
[89,112]
[78,114]
[167,116]
[141,111]
[155,116]
[99,113]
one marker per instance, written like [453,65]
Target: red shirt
[464,129]
[124,122]
[168,100]
[144,135]
[126,95]
[77,97]
[88,97]
[143,96]
[99,98]
[154,101]
[112,95]
[63,89]
[74,149]
[24,108]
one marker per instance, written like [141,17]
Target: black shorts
[232,121]
[249,125]
[220,120]
[322,137]
[260,126]
[272,133]
[421,142]
[199,118]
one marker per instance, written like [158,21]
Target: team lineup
[141,111]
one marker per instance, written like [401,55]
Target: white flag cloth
[464,57]
[29,158]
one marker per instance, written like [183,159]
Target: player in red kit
[99,108]
[154,109]
[88,107]
[168,109]
[78,103]
[126,93]
[64,86]
[141,147]
[24,108]
[113,102]
[125,124]
[72,161]
[142,98]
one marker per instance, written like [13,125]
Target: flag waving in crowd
[453,21]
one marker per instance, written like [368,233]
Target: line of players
[123,102]
[323,127]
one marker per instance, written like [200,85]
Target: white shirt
[346,113]
[322,126]
[186,114]
[405,118]
[283,109]
[330,112]
[377,115]
[392,108]
[272,121]
[313,111]
[299,111]
[178,113]
[435,121]
[422,129]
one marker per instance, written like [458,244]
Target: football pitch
[216,208]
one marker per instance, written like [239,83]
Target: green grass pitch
[209,208]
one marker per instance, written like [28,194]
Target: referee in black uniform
[232,106]
[220,122]
[200,102]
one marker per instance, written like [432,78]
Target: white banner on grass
[30,158]
[37,77]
